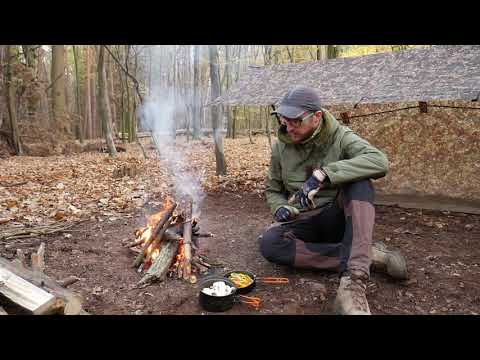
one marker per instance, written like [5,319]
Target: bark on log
[46,283]
[21,258]
[158,227]
[187,238]
[38,259]
[156,241]
[22,245]
[159,268]
[68,281]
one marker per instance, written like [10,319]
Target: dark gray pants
[336,237]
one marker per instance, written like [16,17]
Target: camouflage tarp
[433,73]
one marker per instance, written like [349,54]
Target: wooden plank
[41,280]
[25,294]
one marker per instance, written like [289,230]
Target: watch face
[319,174]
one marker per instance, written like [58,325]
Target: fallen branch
[24,233]
[13,184]
[68,281]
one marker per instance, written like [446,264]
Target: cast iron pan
[256,279]
[223,303]
[248,288]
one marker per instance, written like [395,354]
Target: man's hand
[310,189]
[286,213]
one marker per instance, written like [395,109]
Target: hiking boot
[391,262]
[351,299]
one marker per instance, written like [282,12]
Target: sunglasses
[294,122]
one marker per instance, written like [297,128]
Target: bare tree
[196,92]
[227,86]
[78,120]
[325,52]
[10,93]
[57,77]
[104,103]
[217,135]
[88,105]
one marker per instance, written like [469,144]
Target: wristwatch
[320,175]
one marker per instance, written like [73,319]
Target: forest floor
[441,247]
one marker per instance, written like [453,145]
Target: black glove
[195,229]
[310,188]
[286,213]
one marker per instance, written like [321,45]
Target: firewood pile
[28,290]
[167,246]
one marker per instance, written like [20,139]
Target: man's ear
[319,116]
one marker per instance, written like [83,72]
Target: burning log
[157,240]
[161,265]
[187,241]
[163,251]
[168,213]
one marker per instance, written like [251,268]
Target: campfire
[166,247]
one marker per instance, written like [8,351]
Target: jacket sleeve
[275,190]
[360,161]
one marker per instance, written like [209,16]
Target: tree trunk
[29,52]
[110,75]
[234,122]
[88,104]
[217,136]
[42,78]
[104,106]
[228,80]
[127,114]
[325,52]
[93,96]
[78,120]
[57,77]
[332,52]
[247,116]
[10,93]
[196,92]
[267,123]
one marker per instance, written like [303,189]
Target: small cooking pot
[255,278]
[224,303]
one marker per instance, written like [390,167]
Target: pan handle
[272,280]
[252,301]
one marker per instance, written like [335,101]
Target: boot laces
[357,288]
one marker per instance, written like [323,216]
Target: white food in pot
[218,288]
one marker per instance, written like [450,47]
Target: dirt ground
[442,250]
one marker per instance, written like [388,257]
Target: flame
[180,254]
[143,234]
[155,254]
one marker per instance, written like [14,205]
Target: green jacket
[342,154]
